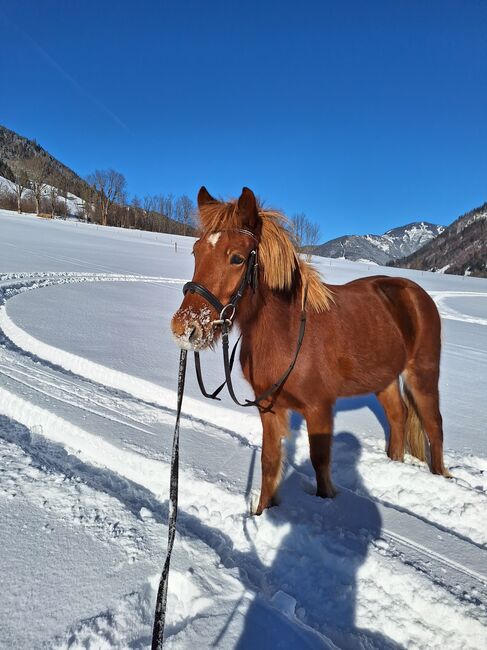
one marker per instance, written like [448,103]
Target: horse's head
[224,258]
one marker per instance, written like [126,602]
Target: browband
[244,231]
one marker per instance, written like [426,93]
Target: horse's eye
[236,259]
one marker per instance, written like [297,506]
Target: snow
[444,268]
[365,261]
[73,203]
[87,405]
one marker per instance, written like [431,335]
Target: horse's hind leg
[423,386]
[396,412]
[320,432]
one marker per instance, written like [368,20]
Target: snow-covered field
[87,403]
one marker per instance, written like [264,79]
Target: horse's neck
[268,319]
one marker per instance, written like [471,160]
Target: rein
[225,321]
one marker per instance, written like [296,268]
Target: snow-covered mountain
[460,250]
[380,249]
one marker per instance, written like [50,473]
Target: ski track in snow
[53,402]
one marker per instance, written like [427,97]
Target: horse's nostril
[195,333]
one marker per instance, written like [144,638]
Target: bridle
[249,278]
[225,321]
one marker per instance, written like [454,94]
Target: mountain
[460,249]
[380,249]
[15,146]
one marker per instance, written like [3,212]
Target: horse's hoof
[328,493]
[397,457]
[261,507]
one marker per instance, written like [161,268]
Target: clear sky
[363,114]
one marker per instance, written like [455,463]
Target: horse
[377,334]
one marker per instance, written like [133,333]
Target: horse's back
[412,309]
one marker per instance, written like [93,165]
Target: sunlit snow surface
[87,396]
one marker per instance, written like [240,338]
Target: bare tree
[37,170]
[109,186]
[150,204]
[184,210]
[55,182]
[137,211]
[62,185]
[53,200]
[165,207]
[21,181]
[306,233]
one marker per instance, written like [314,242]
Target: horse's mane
[278,253]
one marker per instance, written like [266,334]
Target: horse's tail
[415,434]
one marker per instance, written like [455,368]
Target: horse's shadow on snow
[369,401]
[310,584]
[313,575]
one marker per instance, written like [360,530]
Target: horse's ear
[204,197]
[247,209]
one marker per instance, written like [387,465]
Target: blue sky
[365,115]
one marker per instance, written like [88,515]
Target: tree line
[102,199]
[106,203]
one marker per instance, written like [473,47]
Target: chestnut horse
[378,334]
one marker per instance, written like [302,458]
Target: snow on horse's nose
[189,330]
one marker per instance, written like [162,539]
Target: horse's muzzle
[192,330]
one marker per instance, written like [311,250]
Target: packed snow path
[398,559]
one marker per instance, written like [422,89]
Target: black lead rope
[160,614]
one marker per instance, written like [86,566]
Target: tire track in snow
[120,407]
[452,314]
[197,524]
[436,560]
[144,390]
[433,570]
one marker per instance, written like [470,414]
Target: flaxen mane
[278,254]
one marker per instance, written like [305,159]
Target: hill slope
[380,249]
[460,249]
[15,146]
[170,216]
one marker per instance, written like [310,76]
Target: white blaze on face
[212,239]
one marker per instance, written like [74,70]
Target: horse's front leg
[274,428]
[319,421]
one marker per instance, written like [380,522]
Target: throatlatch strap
[160,614]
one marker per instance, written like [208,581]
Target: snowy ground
[87,378]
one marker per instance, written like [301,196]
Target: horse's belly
[371,369]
